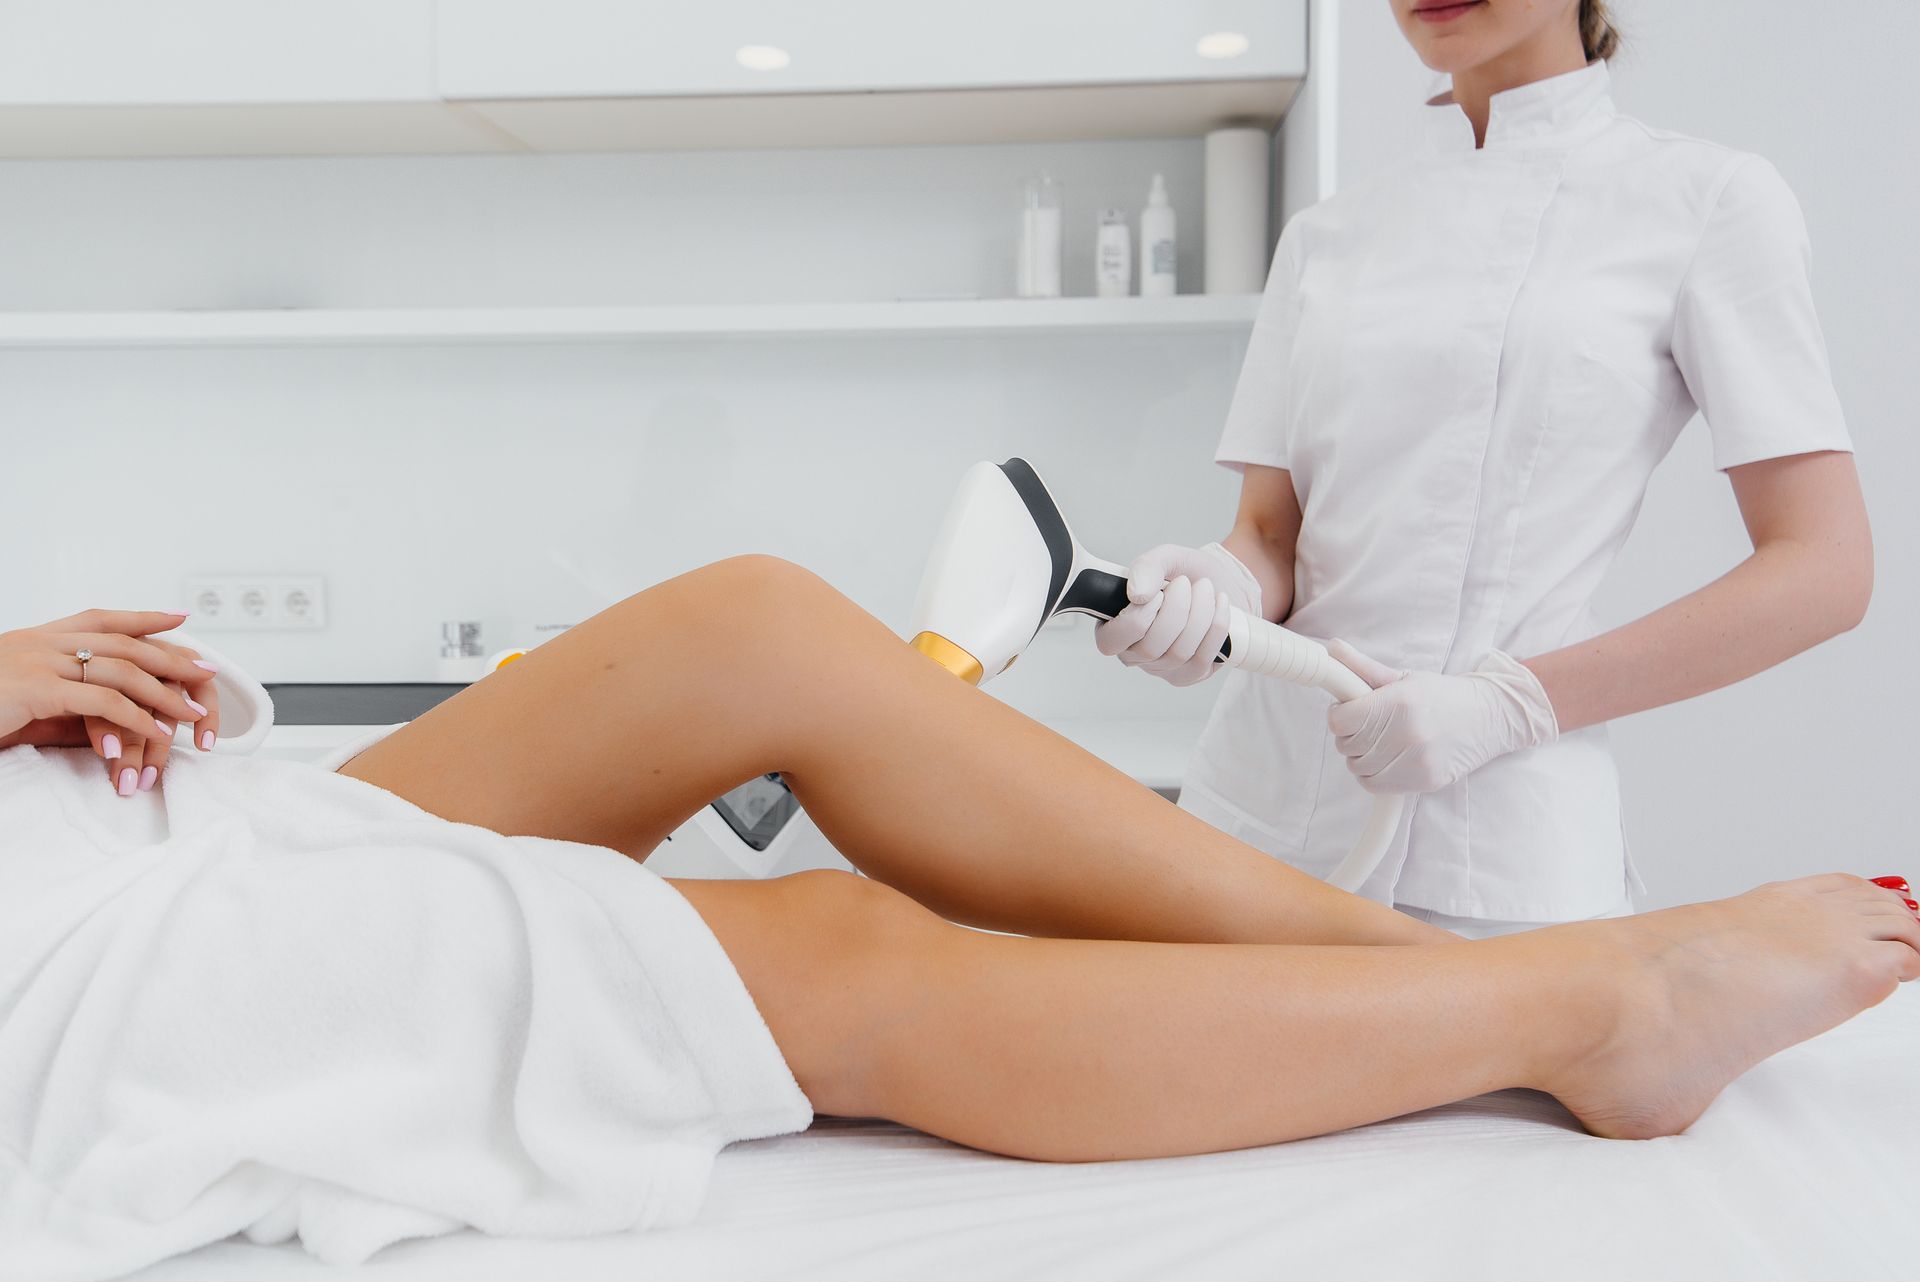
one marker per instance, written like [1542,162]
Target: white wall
[532,485]
[525,485]
[1807,767]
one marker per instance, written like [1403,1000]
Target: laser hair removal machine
[1005,562]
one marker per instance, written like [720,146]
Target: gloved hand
[1176,615]
[1419,731]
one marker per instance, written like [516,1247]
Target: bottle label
[1162,257]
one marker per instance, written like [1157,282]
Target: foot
[1698,995]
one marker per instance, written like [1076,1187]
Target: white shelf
[1197,313]
[1075,113]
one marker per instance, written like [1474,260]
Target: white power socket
[257,603]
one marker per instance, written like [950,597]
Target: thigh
[613,733]
[831,960]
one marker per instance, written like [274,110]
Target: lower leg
[1085,1050]
[618,731]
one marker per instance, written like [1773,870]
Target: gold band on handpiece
[949,656]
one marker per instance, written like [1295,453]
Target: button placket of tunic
[1520,222]
[1505,247]
[1520,185]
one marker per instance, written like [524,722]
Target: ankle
[1578,991]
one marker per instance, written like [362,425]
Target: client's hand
[123,701]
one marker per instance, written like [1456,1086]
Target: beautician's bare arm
[1265,530]
[1809,578]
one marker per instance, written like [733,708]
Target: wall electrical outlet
[257,603]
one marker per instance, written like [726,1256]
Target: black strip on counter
[297,703]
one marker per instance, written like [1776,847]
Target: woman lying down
[437,988]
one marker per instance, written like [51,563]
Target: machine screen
[758,809]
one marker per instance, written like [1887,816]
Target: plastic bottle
[1113,256]
[1038,271]
[1157,249]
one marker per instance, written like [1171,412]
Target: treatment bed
[1806,1169]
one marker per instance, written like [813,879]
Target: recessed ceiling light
[1222,44]
[761,57]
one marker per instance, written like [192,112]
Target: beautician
[1460,381]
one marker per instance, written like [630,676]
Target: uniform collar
[1560,110]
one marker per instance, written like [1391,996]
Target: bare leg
[1081,1050]
[620,730]
[1075,1048]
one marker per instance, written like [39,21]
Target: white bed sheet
[1808,1168]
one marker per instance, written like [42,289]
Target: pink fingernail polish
[147,778]
[165,729]
[196,707]
[110,745]
[128,781]
[202,663]
[206,741]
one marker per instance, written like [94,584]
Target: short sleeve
[1745,335]
[1256,430]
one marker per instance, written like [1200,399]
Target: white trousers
[1487,928]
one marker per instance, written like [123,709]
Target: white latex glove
[1176,617]
[1419,731]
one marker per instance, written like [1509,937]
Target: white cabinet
[617,48]
[109,53]
[224,77]
[304,77]
[596,75]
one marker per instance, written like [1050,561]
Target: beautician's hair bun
[1597,33]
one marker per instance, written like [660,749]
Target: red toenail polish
[1892,883]
[1909,903]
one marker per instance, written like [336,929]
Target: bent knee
[726,606]
[739,597]
[757,576]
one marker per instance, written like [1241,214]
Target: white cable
[1268,649]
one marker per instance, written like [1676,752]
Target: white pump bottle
[1157,251]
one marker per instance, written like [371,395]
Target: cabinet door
[183,52]
[494,49]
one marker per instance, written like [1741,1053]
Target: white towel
[271,1000]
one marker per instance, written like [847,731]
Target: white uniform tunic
[1471,369]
